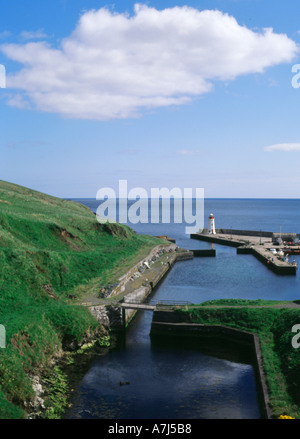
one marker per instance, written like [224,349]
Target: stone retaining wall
[125,278]
[217,240]
[114,317]
[242,232]
[108,315]
[184,256]
[279,269]
[204,253]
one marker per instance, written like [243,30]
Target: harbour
[150,213]
[203,378]
[272,249]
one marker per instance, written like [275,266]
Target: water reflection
[170,379]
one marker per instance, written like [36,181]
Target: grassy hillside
[50,250]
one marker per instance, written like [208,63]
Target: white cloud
[18,101]
[287,147]
[33,35]
[116,65]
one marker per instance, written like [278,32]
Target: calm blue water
[245,214]
[189,381]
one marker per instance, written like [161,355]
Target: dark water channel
[167,378]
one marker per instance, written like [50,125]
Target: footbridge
[130,307]
[118,314]
[152,306]
[138,306]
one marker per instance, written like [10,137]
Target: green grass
[243,302]
[281,361]
[58,393]
[51,248]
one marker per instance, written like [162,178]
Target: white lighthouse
[211,225]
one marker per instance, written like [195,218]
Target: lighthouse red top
[211,216]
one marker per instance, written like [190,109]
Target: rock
[37,404]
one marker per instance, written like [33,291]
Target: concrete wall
[242,232]
[204,253]
[138,296]
[263,234]
[215,239]
[124,279]
[114,317]
[184,256]
[279,269]
[246,233]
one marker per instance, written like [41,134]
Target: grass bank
[272,321]
[52,252]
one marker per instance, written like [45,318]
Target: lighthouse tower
[211,225]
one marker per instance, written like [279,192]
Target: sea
[195,380]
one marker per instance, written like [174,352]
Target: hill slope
[50,248]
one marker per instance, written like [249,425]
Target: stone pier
[259,244]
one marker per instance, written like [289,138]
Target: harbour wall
[144,292]
[246,247]
[279,269]
[113,316]
[255,233]
[125,278]
[242,232]
[204,253]
[217,240]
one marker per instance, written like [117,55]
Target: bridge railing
[160,303]
[172,303]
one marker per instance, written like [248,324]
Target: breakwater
[263,256]
[204,253]
[242,232]
[256,244]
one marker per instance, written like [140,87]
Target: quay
[136,286]
[259,244]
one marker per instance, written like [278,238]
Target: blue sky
[165,94]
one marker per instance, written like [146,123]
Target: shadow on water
[146,377]
[216,355]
